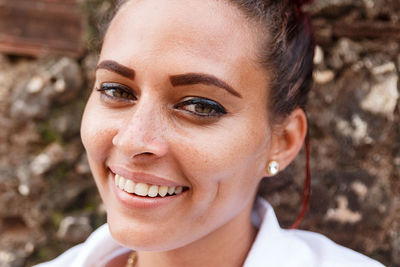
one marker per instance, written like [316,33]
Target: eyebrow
[176,80]
[114,66]
[196,78]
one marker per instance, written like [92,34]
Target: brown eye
[117,92]
[202,107]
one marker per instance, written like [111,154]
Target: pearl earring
[273,167]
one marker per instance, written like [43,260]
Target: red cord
[307,186]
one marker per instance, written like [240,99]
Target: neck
[227,246]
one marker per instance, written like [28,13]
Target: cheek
[231,154]
[95,133]
[224,166]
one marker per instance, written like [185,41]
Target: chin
[144,237]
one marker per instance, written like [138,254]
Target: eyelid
[115,85]
[199,100]
[220,110]
[104,86]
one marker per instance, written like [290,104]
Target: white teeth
[163,190]
[153,191]
[171,190]
[121,183]
[178,190]
[117,179]
[143,189]
[129,186]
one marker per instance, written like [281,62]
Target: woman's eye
[116,92]
[202,107]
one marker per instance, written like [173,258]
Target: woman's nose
[141,132]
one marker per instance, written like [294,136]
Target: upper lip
[141,177]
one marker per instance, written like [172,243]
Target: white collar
[273,246]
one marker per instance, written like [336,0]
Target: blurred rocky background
[48,201]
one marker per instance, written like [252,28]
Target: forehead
[190,31]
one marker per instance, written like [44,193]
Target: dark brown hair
[287,52]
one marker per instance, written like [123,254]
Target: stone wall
[48,201]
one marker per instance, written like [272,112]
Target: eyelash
[215,109]
[109,90]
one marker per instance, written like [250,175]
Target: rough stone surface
[74,229]
[48,201]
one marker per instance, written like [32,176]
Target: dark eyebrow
[195,78]
[114,66]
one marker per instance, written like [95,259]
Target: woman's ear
[287,139]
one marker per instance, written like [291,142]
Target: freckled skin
[221,160]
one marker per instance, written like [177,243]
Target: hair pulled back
[287,52]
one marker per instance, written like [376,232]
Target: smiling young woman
[195,102]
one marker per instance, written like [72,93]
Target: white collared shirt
[274,246]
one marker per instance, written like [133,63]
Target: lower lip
[134,201]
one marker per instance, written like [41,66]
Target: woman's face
[179,101]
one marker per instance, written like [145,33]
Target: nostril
[143,156]
[146,154]
[133,142]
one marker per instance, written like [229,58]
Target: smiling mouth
[147,190]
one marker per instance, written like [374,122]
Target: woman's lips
[132,200]
[144,189]
[139,177]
